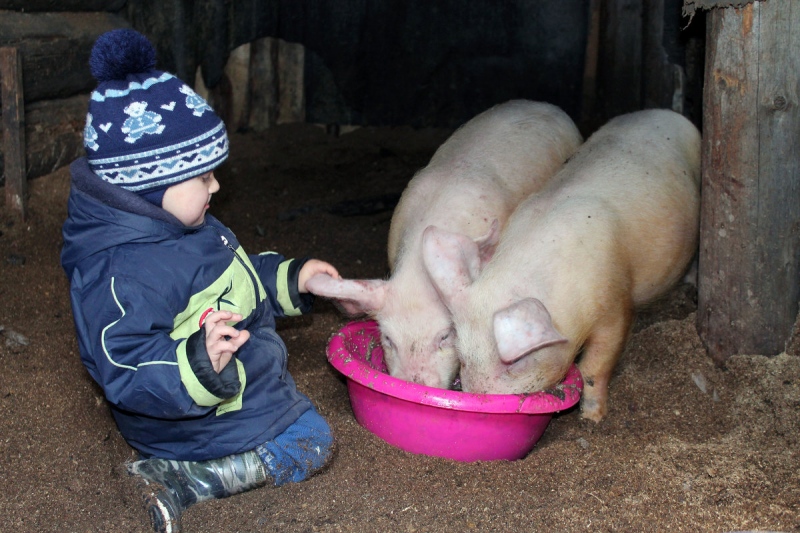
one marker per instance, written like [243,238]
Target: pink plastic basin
[439,422]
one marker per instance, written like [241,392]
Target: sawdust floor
[687,446]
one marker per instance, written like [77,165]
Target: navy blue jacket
[141,283]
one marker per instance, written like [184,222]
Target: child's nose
[213,185]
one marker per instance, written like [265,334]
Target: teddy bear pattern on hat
[146,129]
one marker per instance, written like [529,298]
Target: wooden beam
[56,49]
[13,129]
[62,5]
[54,133]
[749,262]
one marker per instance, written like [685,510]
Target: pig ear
[522,328]
[487,244]
[451,259]
[353,297]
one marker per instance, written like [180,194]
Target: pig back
[482,172]
[643,171]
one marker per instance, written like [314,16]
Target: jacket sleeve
[279,277]
[124,331]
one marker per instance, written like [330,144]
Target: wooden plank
[254,19]
[589,96]
[56,48]
[661,77]
[749,263]
[619,73]
[53,134]
[212,20]
[13,129]
[170,27]
[62,5]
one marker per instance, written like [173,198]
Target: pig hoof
[592,410]
[594,417]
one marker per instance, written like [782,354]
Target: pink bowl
[439,422]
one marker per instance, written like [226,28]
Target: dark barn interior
[332,106]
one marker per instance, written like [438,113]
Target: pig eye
[446,338]
[387,343]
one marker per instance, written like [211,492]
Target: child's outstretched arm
[285,281]
[311,268]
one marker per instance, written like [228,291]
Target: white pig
[614,229]
[471,185]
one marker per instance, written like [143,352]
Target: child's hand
[222,340]
[310,269]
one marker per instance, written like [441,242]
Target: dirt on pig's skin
[669,456]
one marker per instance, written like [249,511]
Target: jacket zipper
[280,345]
[247,269]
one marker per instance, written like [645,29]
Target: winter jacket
[141,283]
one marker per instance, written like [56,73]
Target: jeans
[300,451]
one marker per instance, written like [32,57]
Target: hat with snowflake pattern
[146,130]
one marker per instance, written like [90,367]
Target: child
[174,320]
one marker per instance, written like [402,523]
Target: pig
[470,186]
[614,229]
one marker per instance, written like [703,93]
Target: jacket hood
[101,215]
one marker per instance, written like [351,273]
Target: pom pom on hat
[146,130]
[118,53]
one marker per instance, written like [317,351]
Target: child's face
[188,200]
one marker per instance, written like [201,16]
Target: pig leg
[600,354]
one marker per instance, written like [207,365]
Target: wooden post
[291,80]
[238,72]
[263,84]
[277,90]
[749,263]
[13,129]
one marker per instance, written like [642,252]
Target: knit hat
[146,130]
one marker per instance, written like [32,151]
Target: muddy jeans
[301,450]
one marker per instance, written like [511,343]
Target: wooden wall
[642,54]
[389,62]
[376,62]
[54,40]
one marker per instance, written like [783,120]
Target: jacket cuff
[292,302]
[223,385]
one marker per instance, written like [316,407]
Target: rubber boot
[173,486]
